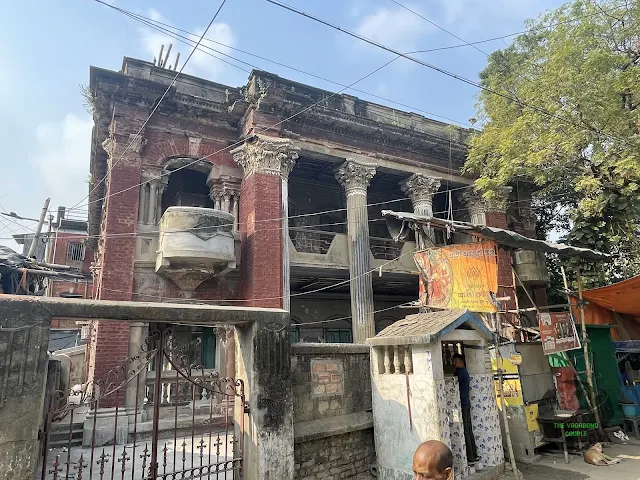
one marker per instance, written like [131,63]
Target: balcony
[324,249]
[195,244]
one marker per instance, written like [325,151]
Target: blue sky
[48,48]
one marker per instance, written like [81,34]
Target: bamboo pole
[585,346]
[503,404]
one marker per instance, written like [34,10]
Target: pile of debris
[21,275]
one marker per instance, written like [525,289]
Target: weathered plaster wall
[332,411]
[396,436]
[330,380]
[23,366]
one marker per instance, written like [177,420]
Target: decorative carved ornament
[477,204]
[137,143]
[271,156]
[420,187]
[355,176]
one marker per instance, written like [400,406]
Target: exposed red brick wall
[505,277]
[261,235]
[111,338]
[67,323]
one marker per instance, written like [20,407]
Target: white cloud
[61,154]
[201,64]
[466,16]
[396,28]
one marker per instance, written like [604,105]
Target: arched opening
[186,188]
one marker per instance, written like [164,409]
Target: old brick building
[274,192]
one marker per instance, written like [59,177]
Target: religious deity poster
[459,276]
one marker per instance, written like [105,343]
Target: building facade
[268,195]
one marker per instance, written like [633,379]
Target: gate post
[24,337]
[263,363]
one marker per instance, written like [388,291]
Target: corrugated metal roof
[396,223]
[61,339]
[425,327]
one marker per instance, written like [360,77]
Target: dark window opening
[187,188]
[338,335]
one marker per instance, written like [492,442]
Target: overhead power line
[131,142]
[168,30]
[241,141]
[460,78]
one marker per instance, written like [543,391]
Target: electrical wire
[295,294]
[155,108]
[460,78]
[243,140]
[278,219]
[169,31]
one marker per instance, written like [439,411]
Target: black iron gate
[156,416]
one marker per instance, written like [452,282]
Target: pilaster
[355,177]
[263,159]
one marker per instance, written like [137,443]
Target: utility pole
[36,236]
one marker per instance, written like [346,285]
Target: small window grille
[75,252]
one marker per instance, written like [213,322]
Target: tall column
[355,177]
[421,188]
[492,212]
[267,163]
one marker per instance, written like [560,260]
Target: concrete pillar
[234,209]
[153,200]
[355,177]
[421,188]
[163,182]
[263,354]
[144,200]
[226,202]
[138,332]
[286,258]
[24,336]
[267,163]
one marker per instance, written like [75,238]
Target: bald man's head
[433,460]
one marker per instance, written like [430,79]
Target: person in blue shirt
[465,404]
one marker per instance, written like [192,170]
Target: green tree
[562,113]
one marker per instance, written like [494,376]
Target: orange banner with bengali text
[459,276]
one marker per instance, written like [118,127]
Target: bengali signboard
[557,332]
[459,276]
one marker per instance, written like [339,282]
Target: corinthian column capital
[476,203]
[273,156]
[421,188]
[355,176]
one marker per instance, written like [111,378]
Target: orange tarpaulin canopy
[622,297]
[617,305]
